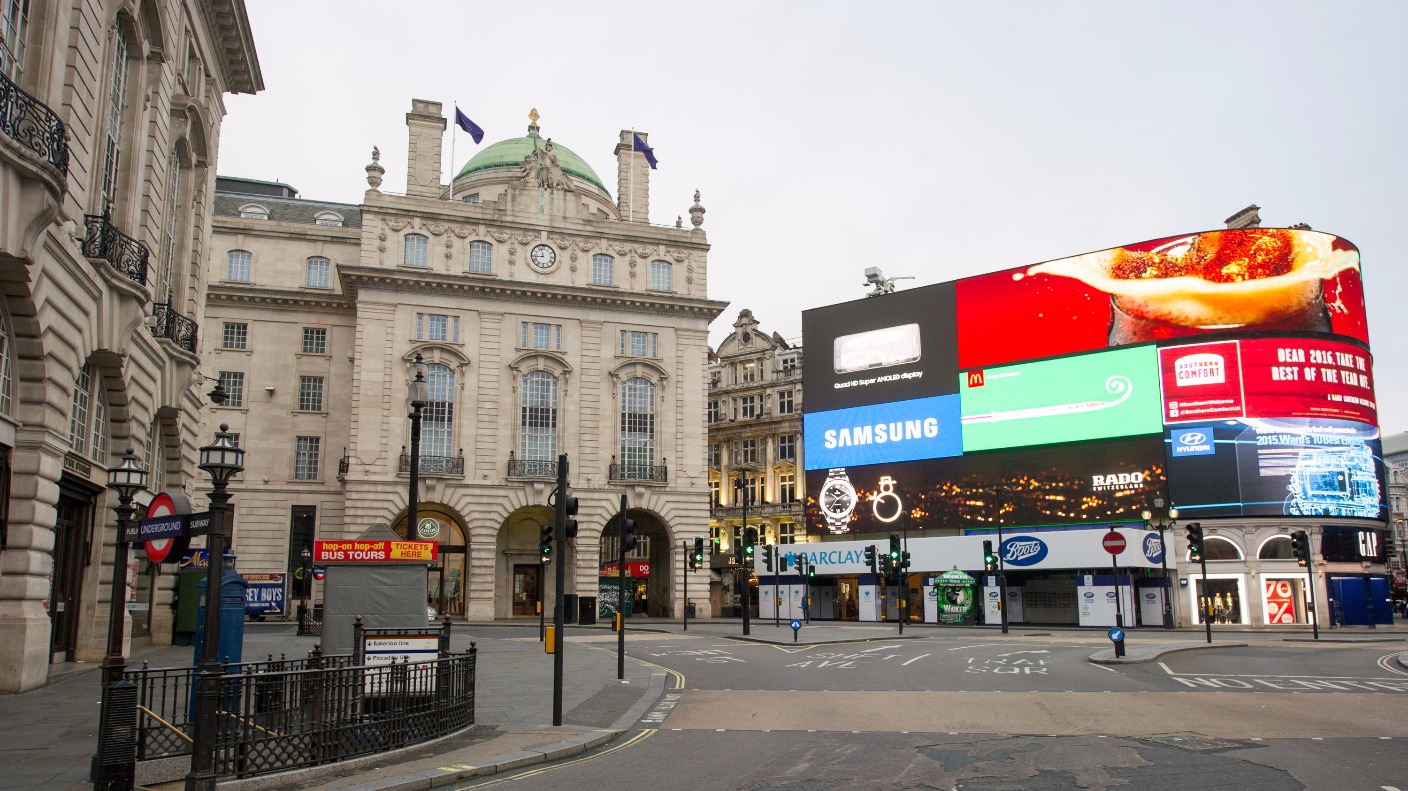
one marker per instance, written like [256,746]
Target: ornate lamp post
[306,576]
[222,460]
[1165,521]
[420,394]
[740,485]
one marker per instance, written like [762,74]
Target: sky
[934,140]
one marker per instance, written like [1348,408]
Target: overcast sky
[933,140]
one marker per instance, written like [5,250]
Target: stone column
[632,179]
[427,135]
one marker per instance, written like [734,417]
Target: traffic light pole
[1002,569]
[1207,611]
[560,534]
[621,593]
[744,560]
[684,570]
[776,590]
[1310,580]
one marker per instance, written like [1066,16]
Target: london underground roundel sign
[160,550]
[1113,542]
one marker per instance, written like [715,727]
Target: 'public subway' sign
[374,551]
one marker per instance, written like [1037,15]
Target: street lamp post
[222,460]
[420,394]
[741,485]
[1166,520]
[1002,564]
[127,479]
[306,577]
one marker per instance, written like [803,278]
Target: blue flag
[463,122]
[640,146]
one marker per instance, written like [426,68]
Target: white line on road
[1272,675]
[1112,670]
[916,659]
[966,647]
[1166,669]
[1389,788]
[879,648]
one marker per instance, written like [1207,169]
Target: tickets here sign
[375,551]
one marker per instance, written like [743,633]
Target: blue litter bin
[231,640]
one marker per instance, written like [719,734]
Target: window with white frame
[786,532]
[472,200]
[306,458]
[537,424]
[233,382]
[714,414]
[715,455]
[539,335]
[315,340]
[318,270]
[437,327]
[481,257]
[785,402]
[310,393]
[748,406]
[234,335]
[749,490]
[417,252]
[787,447]
[747,451]
[748,373]
[437,418]
[238,265]
[635,343]
[787,487]
[116,109]
[603,270]
[172,226]
[716,535]
[14,29]
[714,487]
[6,367]
[638,427]
[328,218]
[88,417]
[660,276]
[253,211]
[789,364]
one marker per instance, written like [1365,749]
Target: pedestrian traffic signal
[750,542]
[894,547]
[989,557]
[545,541]
[628,534]
[769,557]
[1300,547]
[1195,541]
[904,561]
[870,559]
[699,553]
[811,569]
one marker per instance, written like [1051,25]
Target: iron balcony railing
[174,327]
[639,472]
[531,468]
[31,123]
[434,465]
[125,254]
[344,465]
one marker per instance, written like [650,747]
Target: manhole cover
[1201,744]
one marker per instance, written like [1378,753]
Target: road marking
[966,647]
[1389,788]
[1013,653]
[1166,669]
[879,648]
[639,737]
[1388,662]
[916,659]
[1111,669]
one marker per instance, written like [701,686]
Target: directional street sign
[1116,634]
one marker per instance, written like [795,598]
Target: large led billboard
[925,428]
[1276,467]
[1271,279]
[1089,396]
[1267,378]
[1102,481]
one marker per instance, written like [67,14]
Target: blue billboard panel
[925,428]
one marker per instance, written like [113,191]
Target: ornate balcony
[434,465]
[174,327]
[31,123]
[639,472]
[531,468]
[344,465]
[125,254]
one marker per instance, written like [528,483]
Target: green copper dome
[509,154]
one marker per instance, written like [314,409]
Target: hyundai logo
[1192,438]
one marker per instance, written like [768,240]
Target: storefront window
[1220,600]
[1285,600]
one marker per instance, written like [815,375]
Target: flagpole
[631,205]
[453,134]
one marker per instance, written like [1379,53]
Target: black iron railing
[174,327]
[639,472]
[31,123]
[127,255]
[288,714]
[435,465]
[344,465]
[531,468]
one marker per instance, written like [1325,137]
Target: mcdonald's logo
[975,378]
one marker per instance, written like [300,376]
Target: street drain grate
[1200,744]
[605,707]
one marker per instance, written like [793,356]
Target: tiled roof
[294,210]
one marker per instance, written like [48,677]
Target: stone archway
[521,579]
[447,581]
[652,594]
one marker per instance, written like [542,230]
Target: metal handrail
[639,472]
[435,465]
[125,254]
[31,123]
[531,468]
[171,325]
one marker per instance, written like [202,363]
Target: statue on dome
[541,168]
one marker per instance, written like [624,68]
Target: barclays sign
[1023,551]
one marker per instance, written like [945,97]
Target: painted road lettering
[1294,684]
[1024,667]
[709,655]
[661,710]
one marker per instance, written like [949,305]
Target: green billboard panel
[1092,396]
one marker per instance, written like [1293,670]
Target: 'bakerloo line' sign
[1059,549]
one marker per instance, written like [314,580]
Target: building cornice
[228,24]
[223,294]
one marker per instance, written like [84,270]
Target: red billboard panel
[1254,279]
[1267,378]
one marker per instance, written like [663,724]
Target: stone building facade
[755,447]
[548,318]
[108,136]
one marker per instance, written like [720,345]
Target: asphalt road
[1004,713]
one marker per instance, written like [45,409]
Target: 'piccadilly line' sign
[353,551]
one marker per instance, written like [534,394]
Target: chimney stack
[632,179]
[427,134]
[1246,218]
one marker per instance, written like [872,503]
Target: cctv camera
[874,275]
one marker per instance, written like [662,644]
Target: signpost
[1114,544]
[796,627]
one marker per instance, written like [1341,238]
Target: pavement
[48,735]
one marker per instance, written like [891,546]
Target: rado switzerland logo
[1116,482]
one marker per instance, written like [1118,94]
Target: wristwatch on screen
[838,499]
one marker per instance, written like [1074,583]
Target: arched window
[88,418]
[172,226]
[7,353]
[481,257]
[238,266]
[437,424]
[1219,548]
[637,429]
[318,269]
[329,218]
[1276,548]
[253,211]
[537,425]
[603,270]
[660,276]
[417,250]
[116,110]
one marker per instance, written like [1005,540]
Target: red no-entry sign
[1113,542]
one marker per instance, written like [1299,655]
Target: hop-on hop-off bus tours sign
[353,551]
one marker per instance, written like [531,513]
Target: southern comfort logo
[1204,368]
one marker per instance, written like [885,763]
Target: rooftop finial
[533,116]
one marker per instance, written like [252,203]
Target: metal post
[114,663]
[684,575]
[1203,561]
[559,538]
[126,479]
[621,591]
[1002,567]
[776,588]
[1168,585]
[1310,580]
[743,536]
[1115,571]
[207,679]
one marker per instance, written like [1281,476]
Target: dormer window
[328,218]
[253,211]
[472,200]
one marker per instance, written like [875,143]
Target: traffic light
[769,557]
[886,565]
[699,553]
[904,561]
[1300,547]
[989,557]
[570,529]
[801,564]
[870,559]
[545,541]
[894,547]
[628,532]
[783,561]
[811,569]
[750,542]
[1195,541]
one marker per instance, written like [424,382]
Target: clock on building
[543,256]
